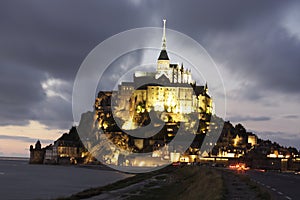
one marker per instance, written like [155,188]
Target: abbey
[169,89]
[168,98]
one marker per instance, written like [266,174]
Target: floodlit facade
[169,89]
[168,93]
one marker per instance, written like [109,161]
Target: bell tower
[163,61]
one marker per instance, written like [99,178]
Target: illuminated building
[169,91]
[68,149]
[237,140]
[252,139]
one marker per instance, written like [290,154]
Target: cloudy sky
[256,45]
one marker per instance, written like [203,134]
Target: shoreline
[12,158]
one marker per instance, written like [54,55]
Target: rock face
[102,131]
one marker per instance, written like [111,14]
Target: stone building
[36,153]
[169,89]
[68,149]
[169,94]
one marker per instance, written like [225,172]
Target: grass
[114,186]
[188,182]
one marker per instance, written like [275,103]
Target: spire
[164,39]
[163,53]
[206,88]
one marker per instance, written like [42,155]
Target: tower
[163,62]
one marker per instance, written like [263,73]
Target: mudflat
[19,180]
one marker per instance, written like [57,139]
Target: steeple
[206,88]
[164,39]
[163,53]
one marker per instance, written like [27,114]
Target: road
[282,185]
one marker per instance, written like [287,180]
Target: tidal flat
[20,180]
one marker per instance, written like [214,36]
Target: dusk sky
[255,44]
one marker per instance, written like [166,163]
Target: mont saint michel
[107,100]
[162,100]
[135,126]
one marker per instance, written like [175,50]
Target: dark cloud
[24,139]
[49,40]
[55,112]
[261,51]
[23,98]
[238,118]
[20,92]
[291,116]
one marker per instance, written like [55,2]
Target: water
[19,180]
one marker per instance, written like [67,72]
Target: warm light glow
[105,125]
[239,167]
[184,159]
[174,156]
[156,153]
[129,125]
[230,155]
[252,139]
[237,140]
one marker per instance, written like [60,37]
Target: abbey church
[169,89]
[170,93]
